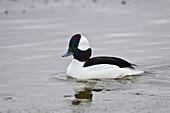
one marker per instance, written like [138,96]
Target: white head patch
[83,43]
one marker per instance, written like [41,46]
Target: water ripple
[124,35]
[21,45]
[160,21]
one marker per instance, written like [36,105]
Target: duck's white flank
[76,70]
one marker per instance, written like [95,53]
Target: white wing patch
[101,67]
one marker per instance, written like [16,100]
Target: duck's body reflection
[87,94]
[83,90]
[82,96]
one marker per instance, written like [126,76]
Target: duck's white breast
[76,70]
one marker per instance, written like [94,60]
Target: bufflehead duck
[84,67]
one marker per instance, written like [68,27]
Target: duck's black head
[79,48]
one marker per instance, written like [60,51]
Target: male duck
[84,67]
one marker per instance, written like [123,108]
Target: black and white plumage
[84,67]
[108,60]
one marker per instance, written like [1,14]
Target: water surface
[32,70]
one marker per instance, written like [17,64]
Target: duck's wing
[108,60]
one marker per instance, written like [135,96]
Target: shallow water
[32,70]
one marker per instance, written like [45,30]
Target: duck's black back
[108,60]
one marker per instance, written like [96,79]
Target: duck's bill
[68,53]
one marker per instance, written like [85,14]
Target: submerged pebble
[138,93]
[123,2]
[23,11]
[94,1]
[6,12]
[65,96]
[8,98]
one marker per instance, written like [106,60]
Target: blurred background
[34,34]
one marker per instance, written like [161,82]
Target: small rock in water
[123,2]
[6,12]
[139,94]
[65,96]
[23,11]
[94,1]
[8,98]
